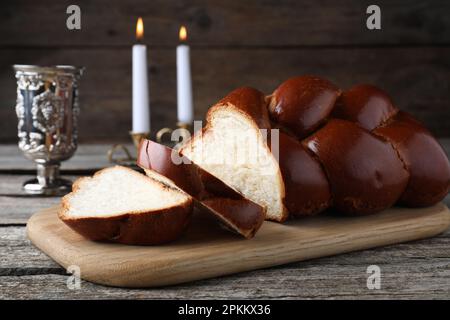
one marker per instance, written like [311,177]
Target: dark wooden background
[247,42]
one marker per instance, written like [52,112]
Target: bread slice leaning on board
[121,205]
[353,151]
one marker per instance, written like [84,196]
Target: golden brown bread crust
[364,171]
[157,157]
[303,103]
[140,228]
[249,101]
[211,194]
[146,228]
[424,159]
[241,215]
[307,187]
[365,105]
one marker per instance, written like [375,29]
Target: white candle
[185,110]
[141,106]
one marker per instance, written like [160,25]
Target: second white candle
[185,110]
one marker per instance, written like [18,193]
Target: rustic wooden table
[420,269]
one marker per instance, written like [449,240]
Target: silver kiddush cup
[47,109]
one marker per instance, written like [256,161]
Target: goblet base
[58,187]
[47,181]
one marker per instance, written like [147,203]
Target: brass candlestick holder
[136,137]
[128,160]
[184,133]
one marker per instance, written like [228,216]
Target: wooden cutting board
[206,250]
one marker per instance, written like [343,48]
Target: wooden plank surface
[225,23]
[15,243]
[324,278]
[418,269]
[417,79]
[207,251]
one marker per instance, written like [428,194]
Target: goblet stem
[47,174]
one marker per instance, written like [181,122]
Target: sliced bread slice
[233,147]
[121,205]
[211,195]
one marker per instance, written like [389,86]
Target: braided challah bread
[353,151]
[423,157]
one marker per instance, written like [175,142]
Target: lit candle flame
[183,33]
[139,29]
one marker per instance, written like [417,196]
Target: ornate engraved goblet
[47,109]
